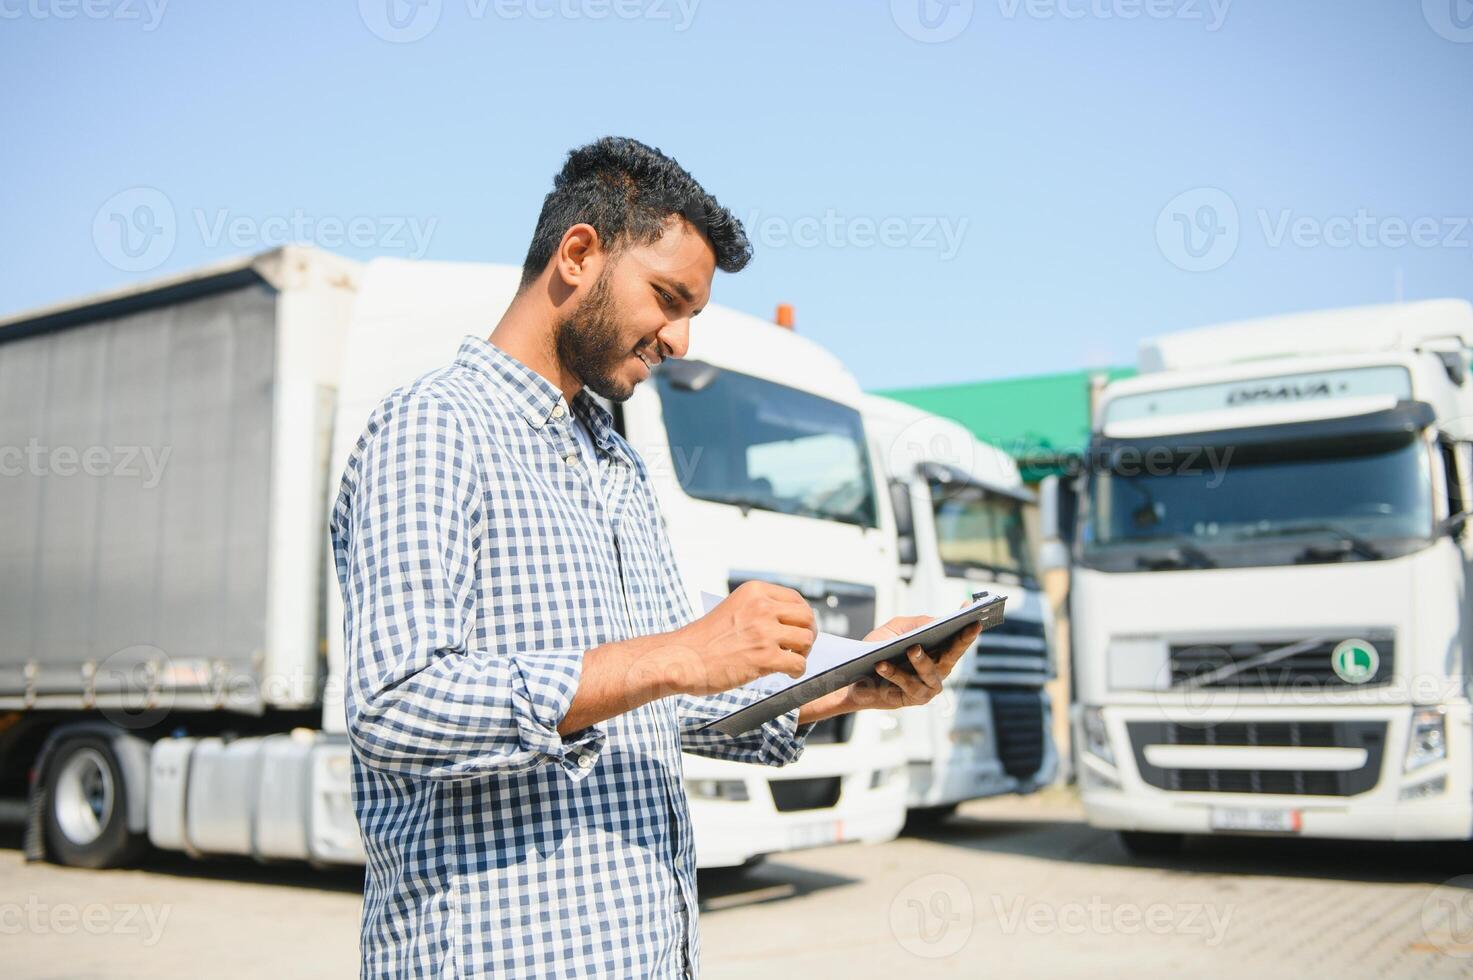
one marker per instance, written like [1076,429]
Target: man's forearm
[619,677]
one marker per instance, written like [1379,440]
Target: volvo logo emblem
[1355,661]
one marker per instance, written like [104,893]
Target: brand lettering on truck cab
[1286,392]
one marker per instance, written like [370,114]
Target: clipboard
[986,608]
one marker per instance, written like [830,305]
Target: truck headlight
[1096,739]
[1428,740]
[733,790]
[1090,777]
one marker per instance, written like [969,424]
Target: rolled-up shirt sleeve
[421,699]
[776,743]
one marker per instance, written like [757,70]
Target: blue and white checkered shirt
[477,566]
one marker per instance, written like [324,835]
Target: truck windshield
[741,440]
[977,530]
[1355,499]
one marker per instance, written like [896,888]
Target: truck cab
[1269,593]
[960,509]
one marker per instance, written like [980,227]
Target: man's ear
[579,257]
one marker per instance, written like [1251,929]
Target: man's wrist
[663,665]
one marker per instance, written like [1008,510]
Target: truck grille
[1012,653]
[1306,670]
[1018,720]
[1368,735]
[791,795]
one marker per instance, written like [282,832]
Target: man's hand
[897,687]
[759,629]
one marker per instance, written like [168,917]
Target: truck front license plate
[1257,820]
[814,834]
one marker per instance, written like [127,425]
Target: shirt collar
[536,399]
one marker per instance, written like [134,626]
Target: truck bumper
[1432,802]
[871,781]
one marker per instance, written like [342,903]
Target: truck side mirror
[1453,524]
[905,527]
[1054,553]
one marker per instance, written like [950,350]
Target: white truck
[1270,603]
[162,569]
[959,508]
[171,670]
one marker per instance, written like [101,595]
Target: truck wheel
[1145,844]
[86,814]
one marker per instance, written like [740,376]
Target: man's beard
[589,345]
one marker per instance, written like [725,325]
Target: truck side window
[1452,476]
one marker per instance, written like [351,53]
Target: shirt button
[586,762]
[571,458]
[558,411]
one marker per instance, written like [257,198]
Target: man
[523,668]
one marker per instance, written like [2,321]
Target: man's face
[638,311]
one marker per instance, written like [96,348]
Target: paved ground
[1009,888]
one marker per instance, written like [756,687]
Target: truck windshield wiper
[1338,549]
[1344,542]
[743,503]
[1179,555]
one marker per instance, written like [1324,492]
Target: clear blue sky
[1048,138]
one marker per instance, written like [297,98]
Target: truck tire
[1146,844]
[85,818]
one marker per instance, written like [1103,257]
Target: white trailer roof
[282,268]
[905,436]
[1441,324]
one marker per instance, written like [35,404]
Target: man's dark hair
[627,191]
